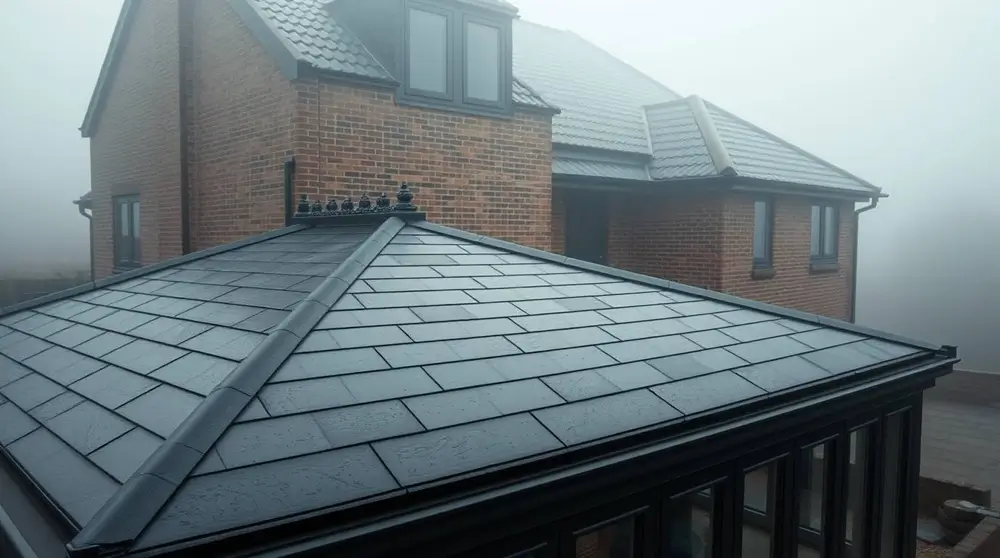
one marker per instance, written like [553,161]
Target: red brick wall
[240,133]
[676,236]
[706,240]
[793,285]
[486,175]
[136,145]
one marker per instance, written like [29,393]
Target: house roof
[319,366]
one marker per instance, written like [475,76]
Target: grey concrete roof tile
[161,410]
[440,453]
[270,439]
[703,393]
[592,419]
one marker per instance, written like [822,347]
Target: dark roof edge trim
[716,149]
[125,17]
[754,184]
[14,537]
[919,372]
[51,507]
[284,54]
[142,271]
[679,287]
[123,518]
[795,148]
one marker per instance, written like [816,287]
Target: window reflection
[759,499]
[812,500]
[615,540]
[687,525]
[858,490]
[892,471]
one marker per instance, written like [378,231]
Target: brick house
[500,126]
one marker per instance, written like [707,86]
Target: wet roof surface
[91,385]
[446,357]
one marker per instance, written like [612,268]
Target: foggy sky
[901,93]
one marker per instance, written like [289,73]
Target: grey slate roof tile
[52,327]
[226,343]
[73,336]
[11,370]
[331,339]
[563,339]
[753,332]
[31,390]
[56,406]
[103,344]
[419,354]
[364,423]
[82,493]
[253,411]
[335,363]
[166,306]
[195,372]
[467,312]
[306,395]
[702,393]
[66,309]
[441,331]
[710,339]
[605,416]
[24,348]
[93,314]
[125,455]
[16,424]
[580,385]
[825,338]
[644,349]
[113,387]
[143,356]
[363,318]
[412,299]
[264,321]
[632,376]
[219,314]
[740,317]
[62,365]
[132,301]
[123,321]
[768,349]
[837,360]
[697,363]
[161,410]
[271,439]
[389,384]
[785,373]
[169,330]
[438,410]
[87,426]
[264,298]
[449,451]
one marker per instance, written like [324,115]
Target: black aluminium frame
[502,521]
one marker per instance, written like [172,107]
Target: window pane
[687,526]
[814,236]
[759,499]
[830,231]
[811,501]
[123,219]
[858,491]
[616,540]
[892,471]
[428,51]
[135,220]
[760,236]
[482,62]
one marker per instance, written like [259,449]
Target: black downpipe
[289,195]
[854,265]
[90,227]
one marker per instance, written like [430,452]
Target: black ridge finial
[347,205]
[331,205]
[303,205]
[382,203]
[403,198]
[364,204]
[317,207]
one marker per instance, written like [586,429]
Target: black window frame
[820,255]
[456,98]
[767,261]
[127,248]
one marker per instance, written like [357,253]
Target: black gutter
[854,256]
[289,194]
[82,207]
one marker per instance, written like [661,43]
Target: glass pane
[814,236]
[857,492]
[135,220]
[428,51]
[812,500]
[123,218]
[759,499]
[892,471]
[687,527]
[760,226]
[482,62]
[830,232]
[616,540]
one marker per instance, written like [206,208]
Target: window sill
[761,273]
[820,266]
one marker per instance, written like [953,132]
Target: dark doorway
[587,226]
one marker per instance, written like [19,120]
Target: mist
[901,93]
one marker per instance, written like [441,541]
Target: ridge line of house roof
[716,149]
[109,65]
[143,271]
[794,147]
[123,518]
[674,286]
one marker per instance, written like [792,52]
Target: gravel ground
[925,550]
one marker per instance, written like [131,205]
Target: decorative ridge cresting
[307,208]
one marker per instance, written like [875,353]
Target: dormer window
[456,58]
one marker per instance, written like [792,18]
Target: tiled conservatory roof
[319,366]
